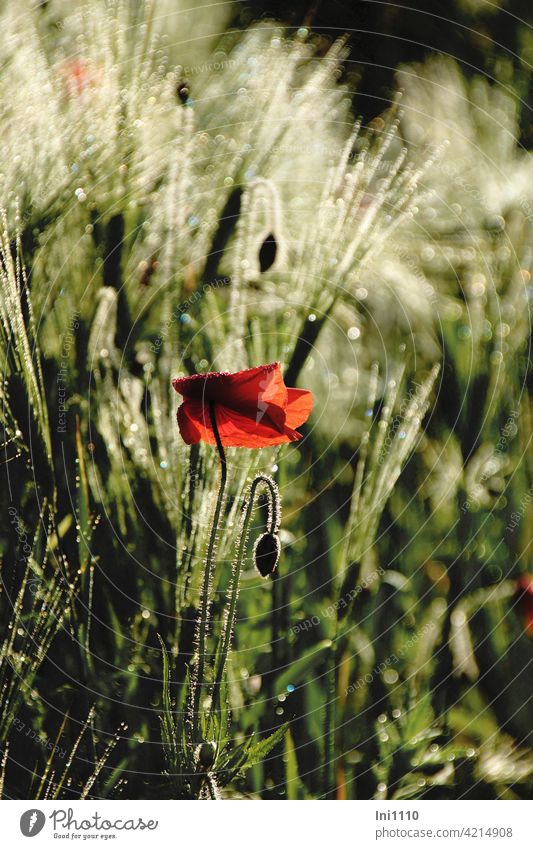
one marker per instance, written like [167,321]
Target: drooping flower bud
[183,91]
[267,550]
[267,253]
[206,754]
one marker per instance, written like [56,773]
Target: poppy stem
[203,623]
[233,589]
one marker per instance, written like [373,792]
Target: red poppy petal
[254,391]
[299,406]
[191,423]
[192,386]
[235,429]
[255,387]
[254,408]
[239,430]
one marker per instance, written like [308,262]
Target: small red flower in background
[77,76]
[253,408]
[524,587]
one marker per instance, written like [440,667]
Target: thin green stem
[208,571]
[182,592]
[233,589]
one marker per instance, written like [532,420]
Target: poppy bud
[267,253]
[266,554]
[206,754]
[183,91]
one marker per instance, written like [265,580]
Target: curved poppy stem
[233,589]
[208,571]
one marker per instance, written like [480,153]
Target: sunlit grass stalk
[377,471]
[38,613]
[3,765]
[50,760]
[101,762]
[19,333]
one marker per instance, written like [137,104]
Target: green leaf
[258,751]
[298,670]
[295,787]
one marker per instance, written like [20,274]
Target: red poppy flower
[525,589]
[77,76]
[253,408]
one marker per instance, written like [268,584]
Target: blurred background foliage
[488,38]
[149,153]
